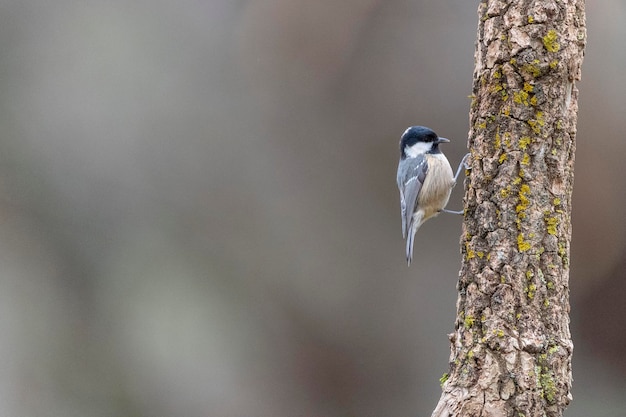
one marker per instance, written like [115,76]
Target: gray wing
[411,175]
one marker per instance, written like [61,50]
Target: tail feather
[409,247]
[416,222]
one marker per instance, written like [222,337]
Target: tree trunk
[511,348]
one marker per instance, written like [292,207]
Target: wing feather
[411,175]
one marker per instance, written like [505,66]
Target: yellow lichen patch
[470,254]
[524,141]
[523,198]
[500,88]
[530,291]
[528,88]
[532,68]
[520,209]
[551,225]
[520,97]
[537,123]
[525,159]
[505,192]
[522,244]
[502,158]
[534,125]
[550,41]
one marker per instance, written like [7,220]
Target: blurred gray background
[199,216]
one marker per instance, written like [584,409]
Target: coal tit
[425,180]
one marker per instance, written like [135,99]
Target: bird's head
[418,140]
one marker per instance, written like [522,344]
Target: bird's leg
[462,164]
[452,211]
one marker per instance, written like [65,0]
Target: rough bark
[511,349]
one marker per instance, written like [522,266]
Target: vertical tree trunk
[511,348]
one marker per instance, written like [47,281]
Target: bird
[425,180]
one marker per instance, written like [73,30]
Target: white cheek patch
[420,148]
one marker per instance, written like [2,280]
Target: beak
[443,140]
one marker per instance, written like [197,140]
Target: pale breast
[437,186]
